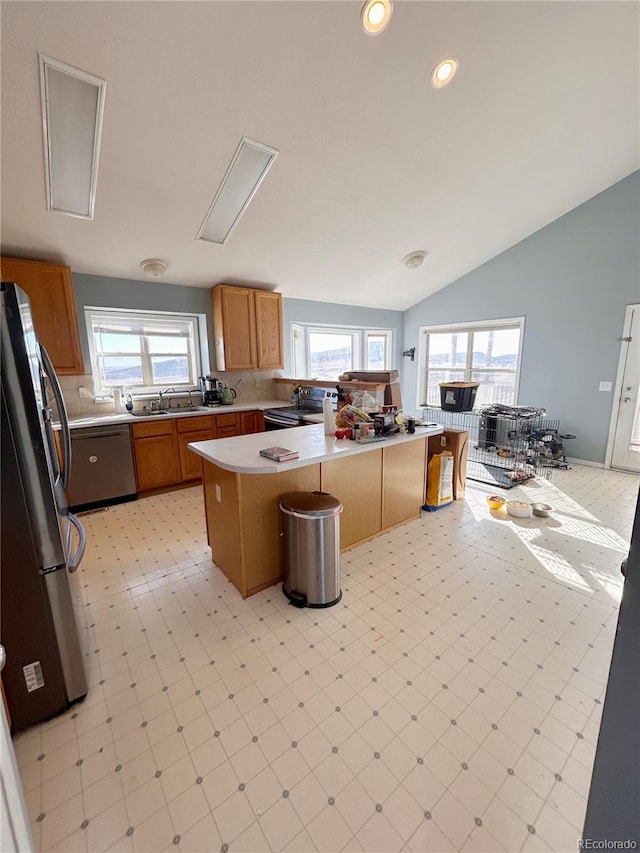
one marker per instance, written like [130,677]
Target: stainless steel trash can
[311,533]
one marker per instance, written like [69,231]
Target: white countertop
[241,454]
[126,418]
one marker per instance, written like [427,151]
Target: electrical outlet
[605,386]
[83,393]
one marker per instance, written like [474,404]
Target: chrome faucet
[166,391]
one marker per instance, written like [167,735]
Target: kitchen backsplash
[249,385]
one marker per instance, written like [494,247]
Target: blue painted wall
[107,292]
[103,292]
[572,281]
[307,311]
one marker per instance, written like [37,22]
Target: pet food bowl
[543,510]
[519,509]
[496,502]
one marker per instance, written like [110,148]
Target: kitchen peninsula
[380,485]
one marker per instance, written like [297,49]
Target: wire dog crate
[508,447]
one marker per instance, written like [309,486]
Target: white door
[626,438]
[15,832]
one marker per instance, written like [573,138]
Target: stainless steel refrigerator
[39,602]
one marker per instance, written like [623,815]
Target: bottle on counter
[129,403]
[329,418]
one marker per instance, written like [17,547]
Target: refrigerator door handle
[64,421]
[74,561]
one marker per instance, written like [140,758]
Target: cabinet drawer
[149,428]
[227,420]
[195,424]
[227,431]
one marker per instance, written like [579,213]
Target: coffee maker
[211,390]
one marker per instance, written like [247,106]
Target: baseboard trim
[586,462]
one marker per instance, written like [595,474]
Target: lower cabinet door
[190,462]
[251,422]
[157,462]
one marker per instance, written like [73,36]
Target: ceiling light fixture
[444,72]
[375,16]
[154,267]
[414,259]
[247,170]
[72,111]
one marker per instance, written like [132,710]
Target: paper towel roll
[329,418]
[117,400]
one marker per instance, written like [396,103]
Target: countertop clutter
[242,454]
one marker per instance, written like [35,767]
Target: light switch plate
[605,386]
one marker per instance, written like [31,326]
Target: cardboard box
[457,442]
[392,393]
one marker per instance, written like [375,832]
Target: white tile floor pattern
[450,701]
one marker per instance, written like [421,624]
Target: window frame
[469,327]
[360,344]
[197,350]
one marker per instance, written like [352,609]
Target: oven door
[273,421]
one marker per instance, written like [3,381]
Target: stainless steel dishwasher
[102,471]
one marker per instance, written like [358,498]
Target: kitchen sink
[148,414]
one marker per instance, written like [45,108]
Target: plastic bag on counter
[364,401]
[349,415]
[440,479]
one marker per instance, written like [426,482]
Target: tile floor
[450,701]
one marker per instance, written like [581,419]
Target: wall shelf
[331,383]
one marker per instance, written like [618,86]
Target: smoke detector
[154,267]
[414,259]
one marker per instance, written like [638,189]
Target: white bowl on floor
[519,509]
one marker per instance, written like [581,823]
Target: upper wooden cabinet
[269,329]
[247,327]
[53,305]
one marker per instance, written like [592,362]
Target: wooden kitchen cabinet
[268,312]
[53,304]
[228,425]
[251,422]
[191,463]
[247,328]
[161,447]
[156,455]
[192,429]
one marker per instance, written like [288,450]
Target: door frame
[617,388]
[16,830]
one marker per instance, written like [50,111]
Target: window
[488,353]
[324,352]
[144,351]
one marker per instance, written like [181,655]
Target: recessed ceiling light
[444,72]
[414,259]
[375,16]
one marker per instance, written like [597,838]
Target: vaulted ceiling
[374,163]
